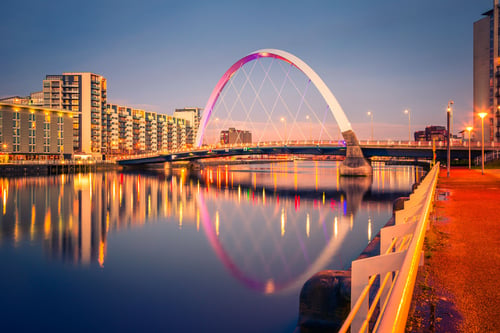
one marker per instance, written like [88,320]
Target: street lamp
[283,120]
[448,113]
[409,125]
[309,125]
[369,113]
[469,129]
[482,115]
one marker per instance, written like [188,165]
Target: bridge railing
[395,268]
[488,157]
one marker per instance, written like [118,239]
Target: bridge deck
[421,150]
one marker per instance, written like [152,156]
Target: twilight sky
[383,56]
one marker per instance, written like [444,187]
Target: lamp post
[469,129]
[409,125]
[309,125]
[369,113]
[283,120]
[482,115]
[217,131]
[448,113]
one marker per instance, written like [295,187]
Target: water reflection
[271,225]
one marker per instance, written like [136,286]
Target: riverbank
[457,288]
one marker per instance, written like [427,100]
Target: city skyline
[382,58]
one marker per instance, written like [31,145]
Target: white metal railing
[397,266]
[488,157]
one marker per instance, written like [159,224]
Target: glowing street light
[370,114]
[482,115]
[469,129]
[409,125]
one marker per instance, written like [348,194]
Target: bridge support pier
[355,163]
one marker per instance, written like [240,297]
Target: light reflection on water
[271,226]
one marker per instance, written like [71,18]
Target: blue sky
[382,56]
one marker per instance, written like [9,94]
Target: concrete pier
[355,163]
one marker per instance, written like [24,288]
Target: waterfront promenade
[457,289]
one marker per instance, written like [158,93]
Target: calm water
[225,250]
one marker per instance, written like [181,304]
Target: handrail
[401,265]
[396,313]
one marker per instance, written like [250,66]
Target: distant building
[234,136]
[36,98]
[436,133]
[487,74]
[15,100]
[84,94]
[28,132]
[420,136]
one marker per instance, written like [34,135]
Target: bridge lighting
[482,115]
[469,129]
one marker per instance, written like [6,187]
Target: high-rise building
[487,74]
[192,115]
[85,94]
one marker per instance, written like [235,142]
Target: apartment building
[28,132]
[85,95]
[486,88]
[192,116]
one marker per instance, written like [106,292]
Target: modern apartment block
[139,131]
[193,116]
[487,74]
[28,132]
[84,94]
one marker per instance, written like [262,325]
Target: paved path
[458,289]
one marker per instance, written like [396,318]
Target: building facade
[85,95]
[192,116]
[28,132]
[487,75]
[139,131]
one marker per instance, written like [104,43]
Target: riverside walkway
[458,288]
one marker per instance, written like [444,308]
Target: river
[226,249]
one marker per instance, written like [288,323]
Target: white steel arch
[330,99]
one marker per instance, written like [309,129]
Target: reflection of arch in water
[268,286]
